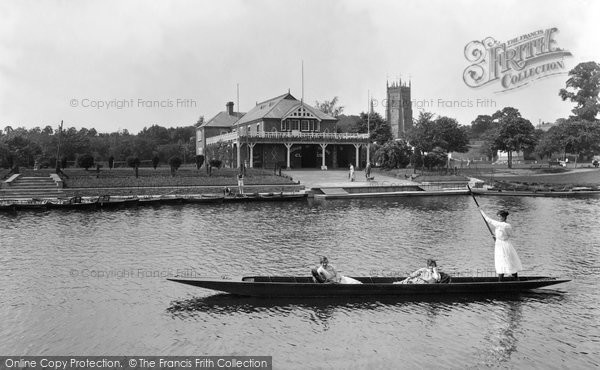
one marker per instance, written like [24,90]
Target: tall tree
[480,125]
[330,107]
[577,137]
[379,129]
[443,132]
[514,133]
[582,88]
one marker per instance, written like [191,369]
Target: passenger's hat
[502,213]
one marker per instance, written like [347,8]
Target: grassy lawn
[566,180]
[149,177]
[521,176]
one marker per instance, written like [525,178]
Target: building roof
[278,108]
[223,119]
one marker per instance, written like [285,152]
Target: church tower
[398,112]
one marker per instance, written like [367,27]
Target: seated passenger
[425,275]
[325,273]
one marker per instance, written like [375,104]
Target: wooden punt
[240,198]
[30,204]
[282,196]
[7,206]
[293,286]
[574,193]
[74,203]
[107,201]
[203,198]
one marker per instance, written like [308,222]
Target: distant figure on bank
[325,273]
[425,275]
[368,171]
[240,184]
[351,173]
[506,259]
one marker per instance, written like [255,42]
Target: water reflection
[325,307]
[503,331]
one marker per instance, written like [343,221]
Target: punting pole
[486,224]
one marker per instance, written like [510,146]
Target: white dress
[330,275]
[505,256]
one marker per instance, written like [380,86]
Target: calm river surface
[94,283]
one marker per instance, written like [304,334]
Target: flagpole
[239,148]
[369,113]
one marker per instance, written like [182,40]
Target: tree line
[432,138]
[45,147]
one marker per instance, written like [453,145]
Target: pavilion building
[280,132]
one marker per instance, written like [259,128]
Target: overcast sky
[61,59]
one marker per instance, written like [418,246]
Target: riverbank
[159,181]
[189,180]
[517,178]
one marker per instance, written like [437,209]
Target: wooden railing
[289,136]
[232,136]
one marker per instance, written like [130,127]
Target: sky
[115,65]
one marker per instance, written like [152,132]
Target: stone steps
[31,187]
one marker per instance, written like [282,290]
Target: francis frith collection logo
[516,62]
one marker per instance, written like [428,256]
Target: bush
[393,154]
[85,161]
[215,163]
[199,161]
[174,163]
[436,158]
[134,162]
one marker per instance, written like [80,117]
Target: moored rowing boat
[76,202]
[108,201]
[532,193]
[203,198]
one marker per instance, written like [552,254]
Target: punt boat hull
[289,286]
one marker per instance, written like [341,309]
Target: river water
[94,283]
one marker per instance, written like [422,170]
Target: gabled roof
[223,119]
[278,108]
[307,108]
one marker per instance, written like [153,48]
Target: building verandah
[291,150]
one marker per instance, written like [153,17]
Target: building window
[305,125]
[257,128]
[295,125]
